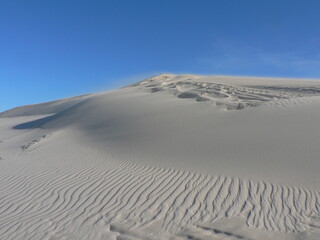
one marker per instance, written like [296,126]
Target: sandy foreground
[170,157]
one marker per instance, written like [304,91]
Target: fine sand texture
[170,157]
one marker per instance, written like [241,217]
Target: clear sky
[58,48]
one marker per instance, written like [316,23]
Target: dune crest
[234,96]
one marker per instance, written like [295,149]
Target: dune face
[170,157]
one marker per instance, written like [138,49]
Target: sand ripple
[120,199]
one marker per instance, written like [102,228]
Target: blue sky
[53,49]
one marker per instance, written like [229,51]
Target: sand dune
[171,157]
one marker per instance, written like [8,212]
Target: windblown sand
[170,157]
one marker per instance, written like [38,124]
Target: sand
[170,157]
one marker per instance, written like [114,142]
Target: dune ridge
[233,96]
